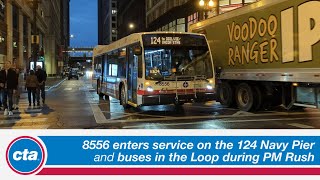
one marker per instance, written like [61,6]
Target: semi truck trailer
[266,54]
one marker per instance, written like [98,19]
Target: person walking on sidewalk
[17,93]
[8,82]
[42,78]
[32,85]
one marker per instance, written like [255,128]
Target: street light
[131,28]
[207,6]
[211,3]
[201,3]
[131,25]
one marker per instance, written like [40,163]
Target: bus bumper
[163,99]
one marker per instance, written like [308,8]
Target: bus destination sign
[173,40]
[165,40]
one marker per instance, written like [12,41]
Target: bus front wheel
[123,98]
[99,90]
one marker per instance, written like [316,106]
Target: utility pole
[35,36]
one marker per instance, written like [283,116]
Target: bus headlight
[209,87]
[149,89]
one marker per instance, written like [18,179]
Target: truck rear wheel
[244,97]
[225,94]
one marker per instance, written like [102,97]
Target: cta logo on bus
[25,155]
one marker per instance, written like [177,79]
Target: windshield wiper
[159,81]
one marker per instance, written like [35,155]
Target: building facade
[131,17]
[17,19]
[65,33]
[107,21]
[178,15]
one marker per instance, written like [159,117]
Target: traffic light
[35,39]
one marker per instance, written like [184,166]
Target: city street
[74,104]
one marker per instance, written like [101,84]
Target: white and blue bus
[155,68]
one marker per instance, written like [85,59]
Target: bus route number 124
[155,40]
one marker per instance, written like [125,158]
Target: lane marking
[194,118]
[97,113]
[68,89]
[54,86]
[302,126]
[225,121]
[216,120]
[172,124]
[242,113]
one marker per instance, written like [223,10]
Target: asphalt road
[74,104]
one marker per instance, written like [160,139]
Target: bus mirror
[137,51]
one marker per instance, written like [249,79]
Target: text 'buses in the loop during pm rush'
[155,68]
[266,54]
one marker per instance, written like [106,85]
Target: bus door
[132,76]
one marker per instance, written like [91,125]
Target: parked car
[73,74]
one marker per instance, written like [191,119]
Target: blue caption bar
[184,150]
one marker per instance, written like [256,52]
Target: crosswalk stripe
[34,115]
[25,114]
[27,127]
[16,121]
[302,126]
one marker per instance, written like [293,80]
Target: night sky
[83,23]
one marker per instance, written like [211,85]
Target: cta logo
[25,155]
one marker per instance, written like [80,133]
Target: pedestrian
[17,92]
[32,85]
[8,82]
[42,78]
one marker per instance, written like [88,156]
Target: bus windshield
[169,55]
[170,62]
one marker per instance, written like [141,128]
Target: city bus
[155,68]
